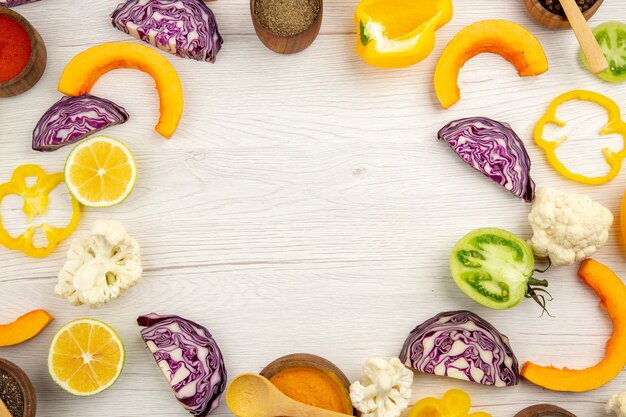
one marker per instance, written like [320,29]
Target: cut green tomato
[611,37]
[492,267]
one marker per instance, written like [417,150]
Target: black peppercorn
[554,6]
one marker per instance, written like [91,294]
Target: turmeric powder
[314,387]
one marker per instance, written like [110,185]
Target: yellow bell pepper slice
[398,33]
[615,124]
[35,204]
[455,403]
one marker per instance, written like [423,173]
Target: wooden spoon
[589,45]
[251,395]
[4,411]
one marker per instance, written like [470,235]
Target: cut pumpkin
[24,328]
[507,39]
[612,293]
[82,72]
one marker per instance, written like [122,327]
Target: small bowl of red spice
[22,54]
[17,394]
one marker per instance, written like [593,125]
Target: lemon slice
[100,172]
[86,357]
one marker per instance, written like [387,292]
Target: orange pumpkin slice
[507,39]
[612,293]
[82,72]
[24,328]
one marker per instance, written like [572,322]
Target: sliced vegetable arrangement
[492,266]
[189,358]
[74,118]
[186,28]
[481,353]
[494,149]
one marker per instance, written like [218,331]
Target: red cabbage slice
[74,118]
[494,149]
[189,358]
[459,344]
[13,3]
[186,28]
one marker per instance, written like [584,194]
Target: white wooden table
[305,205]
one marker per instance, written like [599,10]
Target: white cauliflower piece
[617,405]
[384,389]
[100,267]
[567,227]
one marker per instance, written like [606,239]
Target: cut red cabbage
[459,344]
[189,358]
[13,3]
[74,118]
[186,28]
[494,149]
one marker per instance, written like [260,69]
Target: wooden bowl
[36,65]
[307,360]
[553,20]
[287,44]
[30,399]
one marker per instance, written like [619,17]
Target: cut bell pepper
[35,204]
[398,33]
[455,403]
[615,124]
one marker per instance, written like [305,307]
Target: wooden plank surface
[304,204]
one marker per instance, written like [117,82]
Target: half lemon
[100,172]
[86,357]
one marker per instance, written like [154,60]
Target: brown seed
[286,17]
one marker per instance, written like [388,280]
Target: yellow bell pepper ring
[35,204]
[398,33]
[455,403]
[615,124]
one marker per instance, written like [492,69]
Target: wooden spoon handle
[589,45]
[297,409]
[4,411]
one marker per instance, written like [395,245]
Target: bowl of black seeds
[16,391]
[286,26]
[550,12]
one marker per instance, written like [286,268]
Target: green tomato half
[611,37]
[492,267]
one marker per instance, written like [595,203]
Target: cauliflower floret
[100,267]
[567,227]
[617,405]
[384,389]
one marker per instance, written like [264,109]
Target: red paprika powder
[15,48]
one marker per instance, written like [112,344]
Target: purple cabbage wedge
[186,28]
[13,3]
[459,344]
[494,149]
[74,118]
[189,358]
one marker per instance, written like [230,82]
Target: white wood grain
[304,204]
